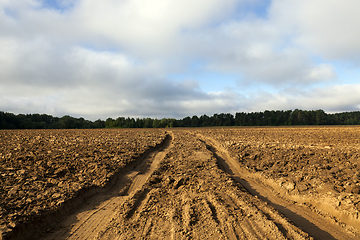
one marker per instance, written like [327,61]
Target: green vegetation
[43,121]
[267,118]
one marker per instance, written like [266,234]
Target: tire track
[175,221]
[193,199]
[257,224]
[233,222]
[308,221]
[222,217]
[99,210]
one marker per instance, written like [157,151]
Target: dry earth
[314,167]
[41,170]
[215,183]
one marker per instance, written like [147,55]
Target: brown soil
[41,170]
[313,169]
[231,183]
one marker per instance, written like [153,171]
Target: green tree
[195,121]
[204,121]
[110,123]
[148,123]
[320,117]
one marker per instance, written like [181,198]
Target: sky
[172,59]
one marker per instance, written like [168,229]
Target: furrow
[229,167]
[212,211]
[308,221]
[140,198]
[187,215]
[175,227]
[222,216]
[101,209]
[248,229]
[239,231]
[147,228]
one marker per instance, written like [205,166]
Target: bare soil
[314,169]
[41,170]
[215,183]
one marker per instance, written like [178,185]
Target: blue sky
[168,58]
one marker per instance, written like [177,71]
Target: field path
[190,197]
[98,211]
[310,222]
[191,188]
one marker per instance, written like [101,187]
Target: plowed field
[215,183]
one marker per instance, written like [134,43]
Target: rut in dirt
[314,225]
[192,198]
[96,212]
[187,188]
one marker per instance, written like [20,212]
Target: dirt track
[195,187]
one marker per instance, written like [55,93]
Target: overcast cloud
[168,58]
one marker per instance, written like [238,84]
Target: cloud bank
[100,59]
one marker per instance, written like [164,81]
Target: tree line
[266,118]
[44,121]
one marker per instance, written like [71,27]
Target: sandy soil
[316,167]
[42,170]
[231,183]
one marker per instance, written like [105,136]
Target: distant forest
[267,118]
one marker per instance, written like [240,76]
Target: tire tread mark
[137,200]
[272,216]
[222,217]
[147,228]
[212,211]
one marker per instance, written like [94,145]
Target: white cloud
[256,50]
[93,84]
[336,98]
[321,72]
[111,58]
[147,27]
[325,27]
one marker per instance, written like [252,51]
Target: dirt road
[315,225]
[191,188]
